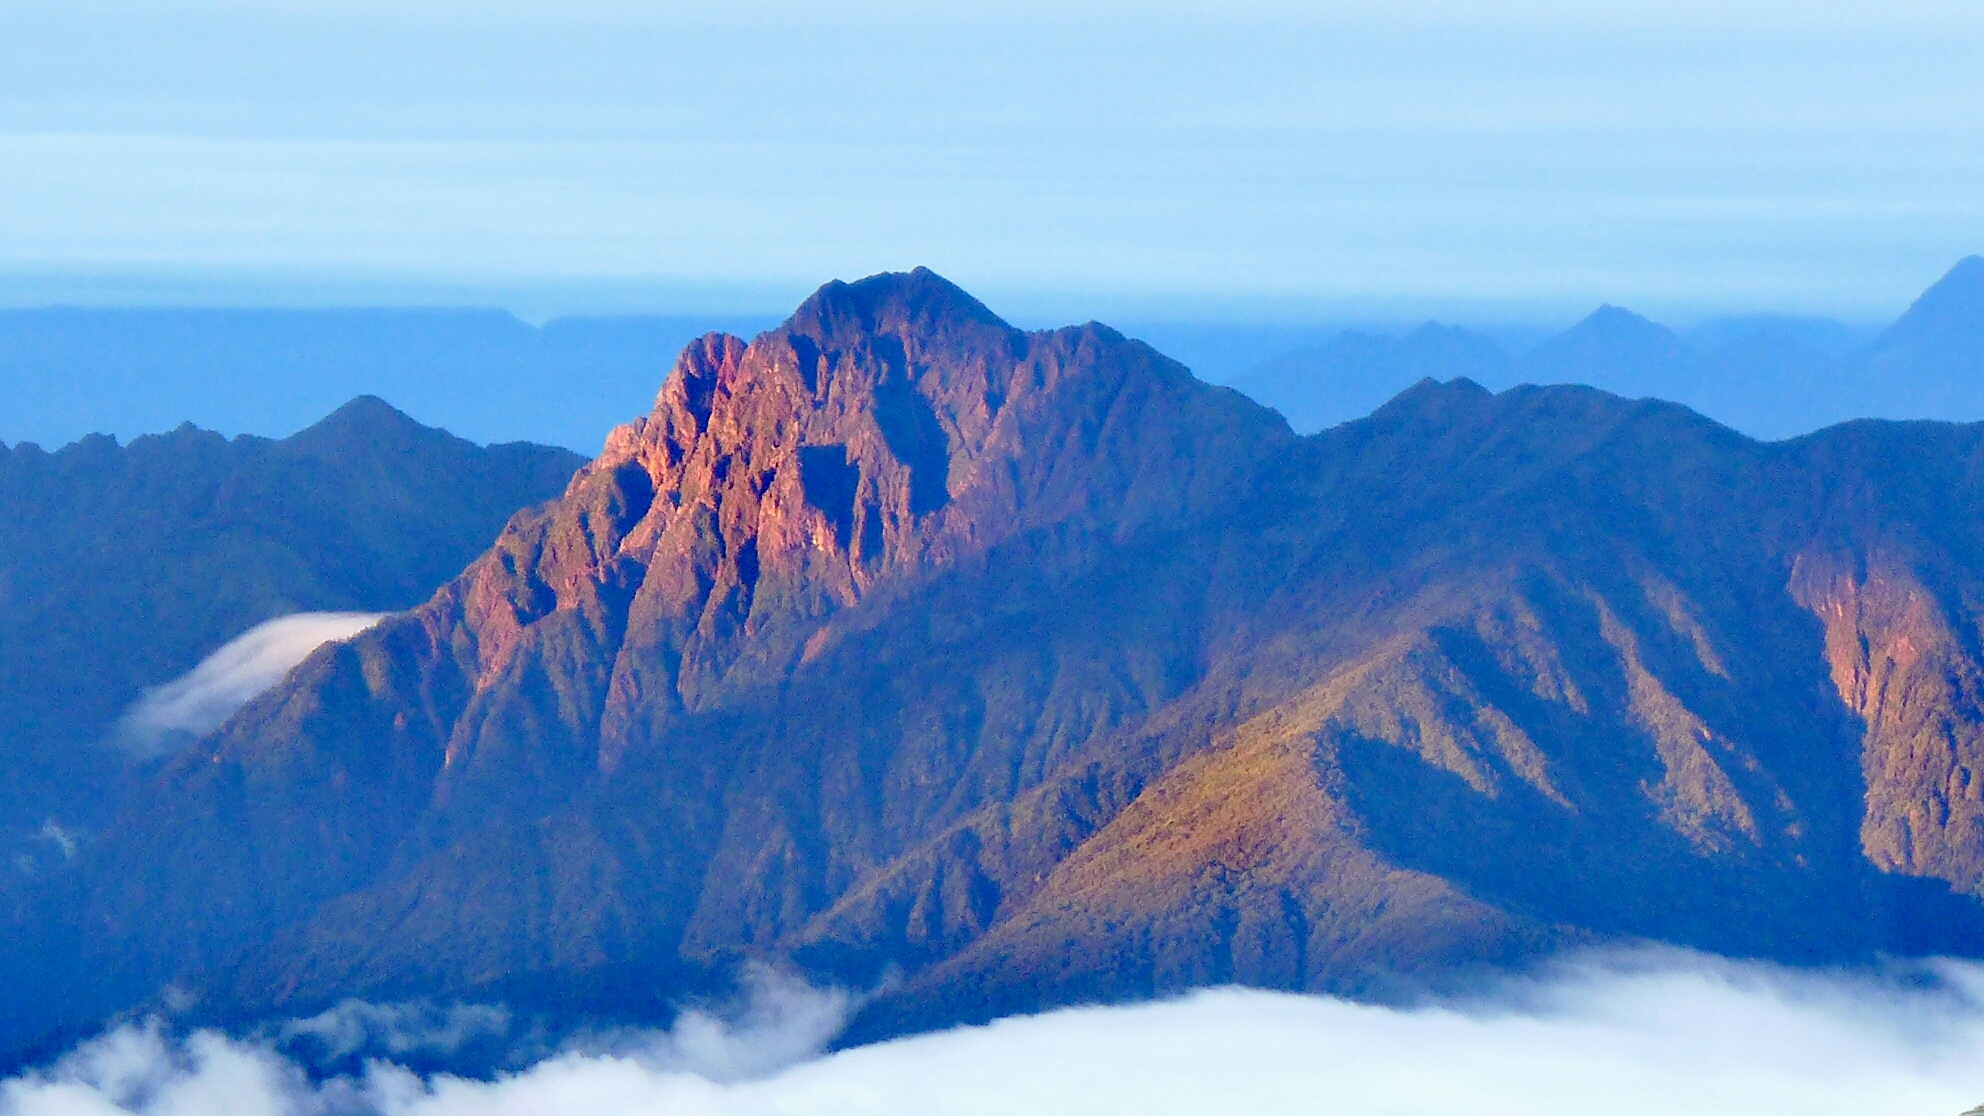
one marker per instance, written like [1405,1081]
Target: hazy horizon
[1263,161]
[1521,321]
[490,374]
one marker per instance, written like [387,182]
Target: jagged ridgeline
[1032,670]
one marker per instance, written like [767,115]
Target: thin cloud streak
[1629,1034]
[1817,158]
[1362,219]
[191,706]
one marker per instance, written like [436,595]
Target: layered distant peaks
[1616,324]
[1356,373]
[1611,345]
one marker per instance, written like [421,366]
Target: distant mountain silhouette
[1823,335]
[1031,670]
[1770,377]
[1930,363]
[481,373]
[1610,349]
[122,565]
[1363,370]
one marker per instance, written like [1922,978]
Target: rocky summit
[998,670]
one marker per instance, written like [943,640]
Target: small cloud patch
[171,716]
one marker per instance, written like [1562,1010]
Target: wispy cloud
[191,706]
[1627,1035]
[50,845]
[393,1031]
[780,1021]
[61,838]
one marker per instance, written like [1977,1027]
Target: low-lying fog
[1623,1033]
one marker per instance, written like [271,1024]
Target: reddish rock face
[891,430]
[1898,658]
[1031,669]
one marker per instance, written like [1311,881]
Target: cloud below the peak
[201,700]
[1625,1034]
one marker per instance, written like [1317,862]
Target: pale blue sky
[1241,159]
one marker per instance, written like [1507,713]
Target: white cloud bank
[199,702]
[1637,1035]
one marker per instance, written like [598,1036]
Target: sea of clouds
[1626,1034]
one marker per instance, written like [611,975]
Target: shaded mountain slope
[121,566]
[1030,669]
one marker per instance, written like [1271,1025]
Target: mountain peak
[1612,348]
[1968,271]
[1950,311]
[1437,331]
[365,410]
[1432,400]
[1934,353]
[891,424]
[891,301]
[366,420]
[1611,321]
